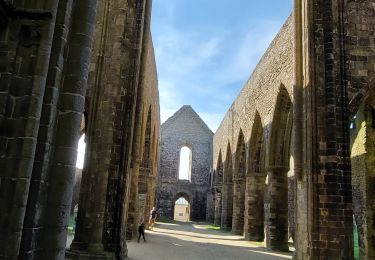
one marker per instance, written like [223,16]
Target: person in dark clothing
[141,231]
[152,218]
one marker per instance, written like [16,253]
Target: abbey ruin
[293,158]
[184,129]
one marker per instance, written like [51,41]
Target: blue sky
[206,49]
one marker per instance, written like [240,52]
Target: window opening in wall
[77,184]
[352,122]
[184,171]
[182,210]
[81,152]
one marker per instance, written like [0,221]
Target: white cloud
[249,51]
[202,69]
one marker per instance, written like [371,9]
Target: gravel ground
[195,241]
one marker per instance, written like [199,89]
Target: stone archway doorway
[181,210]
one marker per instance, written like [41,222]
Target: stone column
[69,115]
[26,50]
[254,207]
[218,205]
[276,209]
[239,187]
[34,218]
[326,131]
[227,206]
[133,214]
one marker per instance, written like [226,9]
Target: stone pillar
[227,206]
[239,187]
[36,203]
[276,209]
[326,131]
[26,38]
[254,207]
[210,206]
[133,213]
[69,115]
[218,206]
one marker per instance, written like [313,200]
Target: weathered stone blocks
[184,128]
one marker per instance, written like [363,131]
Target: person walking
[152,218]
[141,231]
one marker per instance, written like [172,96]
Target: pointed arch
[255,184]
[219,171]
[228,166]
[227,191]
[239,185]
[277,171]
[240,157]
[281,131]
[218,190]
[256,148]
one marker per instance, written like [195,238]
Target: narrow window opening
[184,171]
[352,123]
[81,152]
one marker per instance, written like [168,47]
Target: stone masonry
[315,80]
[184,128]
[293,156]
[60,60]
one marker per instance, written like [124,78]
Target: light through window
[185,164]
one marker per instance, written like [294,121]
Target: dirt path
[194,241]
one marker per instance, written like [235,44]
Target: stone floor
[196,241]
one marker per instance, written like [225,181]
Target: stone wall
[360,51]
[184,128]
[259,116]
[51,52]
[362,160]
[44,56]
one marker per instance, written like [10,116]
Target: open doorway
[182,210]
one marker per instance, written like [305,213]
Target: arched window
[81,152]
[184,171]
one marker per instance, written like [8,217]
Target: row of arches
[251,184]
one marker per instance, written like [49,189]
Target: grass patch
[355,238]
[212,227]
[165,220]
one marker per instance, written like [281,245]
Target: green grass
[213,227]
[165,220]
[356,249]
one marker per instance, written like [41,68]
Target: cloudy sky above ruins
[206,49]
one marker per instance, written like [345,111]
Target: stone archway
[218,182]
[255,184]
[276,206]
[187,197]
[227,191]
[239,186]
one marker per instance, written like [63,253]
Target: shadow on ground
[194,241]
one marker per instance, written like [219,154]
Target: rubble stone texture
[184,128]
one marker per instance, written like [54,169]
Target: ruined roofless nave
[293,159]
